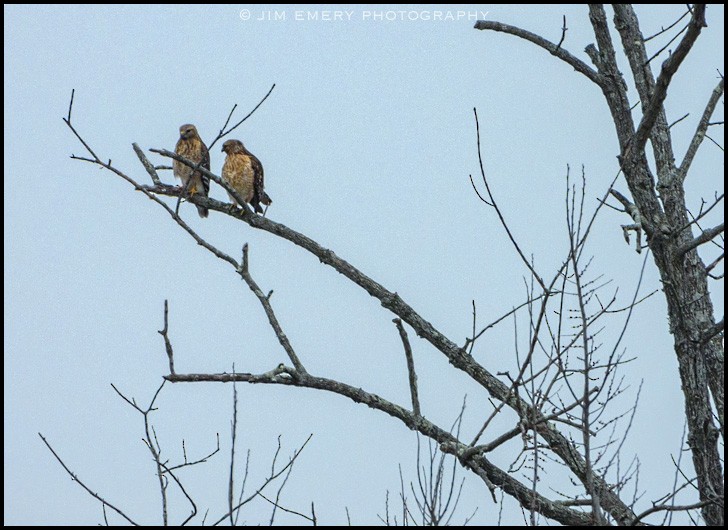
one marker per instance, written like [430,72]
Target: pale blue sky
[367,142]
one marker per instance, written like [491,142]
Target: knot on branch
[593,53]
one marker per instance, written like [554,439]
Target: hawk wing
[179,167]
[205,162]
[259,194]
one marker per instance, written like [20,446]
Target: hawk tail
[202,211]
[265,199]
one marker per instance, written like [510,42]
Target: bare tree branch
[626,22]
[577,64]
[668,28]
[265,302]
[671,508]
[503,222]
[715,262]
[703,125]
[147,164]
[704,237]
[669,68]
[152,444]
[169,472]
[167,344]
[233,434]
[287,510]
[410,366]
[564,29]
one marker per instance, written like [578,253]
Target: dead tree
[659,209]
[558,398]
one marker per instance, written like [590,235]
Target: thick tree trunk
[667,225]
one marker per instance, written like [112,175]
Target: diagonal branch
[410,366]
[494,204]
[626,22]
[704,237]
[265,302]
[713,331]
[147,164]
[75,477]
[700,131]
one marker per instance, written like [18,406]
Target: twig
[503,317]
[678,120]
[199,460]
[268,480]
[168,471]
[152,444]
[96,496]
[563,34]
[658,52]
[276,504]
[231,487]
[671,508]
[668,28]
[279,507]
[702,213]
[70,106]
[224,133]
[497,210]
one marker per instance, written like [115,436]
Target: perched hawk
[244,173]
[191,146]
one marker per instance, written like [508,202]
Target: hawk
[244,173]
[191,146]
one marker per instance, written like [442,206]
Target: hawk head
[188,131]
[233,146]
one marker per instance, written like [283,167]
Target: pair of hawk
[241,170]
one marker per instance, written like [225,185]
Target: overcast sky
[367,142]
